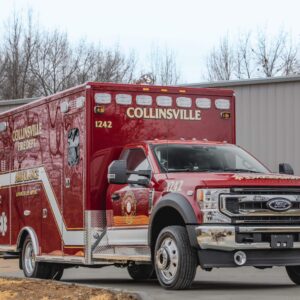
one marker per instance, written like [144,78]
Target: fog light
[240,258]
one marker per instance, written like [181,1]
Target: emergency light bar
[203,103]
[102,98]
[184,102]
[3,126]
[144,100]
[222,103]
[64,107]
[164,101]
[124,99]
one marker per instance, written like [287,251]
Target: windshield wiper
[190,170]
[240,170]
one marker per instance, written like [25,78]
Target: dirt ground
[17,289]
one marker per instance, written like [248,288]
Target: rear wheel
[175,260]
[294,273]
[31,267]
[57,272]
[141,272]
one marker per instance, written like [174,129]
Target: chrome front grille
[248,206]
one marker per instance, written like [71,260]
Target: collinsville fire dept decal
[129,207]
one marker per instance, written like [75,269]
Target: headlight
[208,200]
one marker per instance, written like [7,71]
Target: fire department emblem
[129,207]
[3,224]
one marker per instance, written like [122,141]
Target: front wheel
[294,273]
[175,260]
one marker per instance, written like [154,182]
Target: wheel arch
[22,236]
[179,212]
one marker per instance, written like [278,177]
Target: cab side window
[136,161]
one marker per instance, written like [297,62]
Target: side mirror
[117,172]
[145,173]
[286,169]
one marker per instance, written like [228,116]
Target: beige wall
[268,122]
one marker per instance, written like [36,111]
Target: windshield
[206,158]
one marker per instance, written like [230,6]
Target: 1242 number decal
[103,124]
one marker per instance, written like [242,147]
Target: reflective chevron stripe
[69,237]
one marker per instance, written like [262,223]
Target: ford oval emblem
[279,204]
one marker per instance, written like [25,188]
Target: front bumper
[226,238]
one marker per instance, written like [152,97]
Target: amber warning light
[225,115]
[99,109]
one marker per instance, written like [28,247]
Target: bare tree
[290,59]
[12,49]
[268,53]
[245,66]
[113,66]
[19,43]
[87,62]
[35,62]
[2,68]
[54,64]
[221,62]
[262,56]
[163,66]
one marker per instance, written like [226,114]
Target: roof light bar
[203,103]
[222,103]
[102,98]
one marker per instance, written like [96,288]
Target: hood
[238,179]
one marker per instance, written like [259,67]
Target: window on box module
[73,147]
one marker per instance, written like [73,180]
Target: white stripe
[132,236]
[69,237]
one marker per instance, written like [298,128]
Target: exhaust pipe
[240,258]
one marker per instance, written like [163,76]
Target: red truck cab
[207,203]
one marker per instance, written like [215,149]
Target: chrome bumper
[224,237]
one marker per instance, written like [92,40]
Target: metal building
[10,104]
[268,118]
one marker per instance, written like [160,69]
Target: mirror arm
[139,182]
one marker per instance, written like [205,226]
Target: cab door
[130,204]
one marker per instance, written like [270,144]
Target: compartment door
[5,182]
[73,188]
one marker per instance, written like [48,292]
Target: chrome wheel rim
[29,259]
[167,259]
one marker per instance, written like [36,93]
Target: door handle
[45,213]
[27,213]
[115,197]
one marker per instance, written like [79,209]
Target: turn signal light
[225,115]
[199,195]
[99,109]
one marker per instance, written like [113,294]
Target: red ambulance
[143,177]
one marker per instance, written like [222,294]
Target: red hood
[251,179]
[237,179]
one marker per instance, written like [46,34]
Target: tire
[31,268]
[175,260]
[294,273]
[140,272]
[57,272]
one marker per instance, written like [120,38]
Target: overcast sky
[189,27]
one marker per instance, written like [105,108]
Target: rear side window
[73,147]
